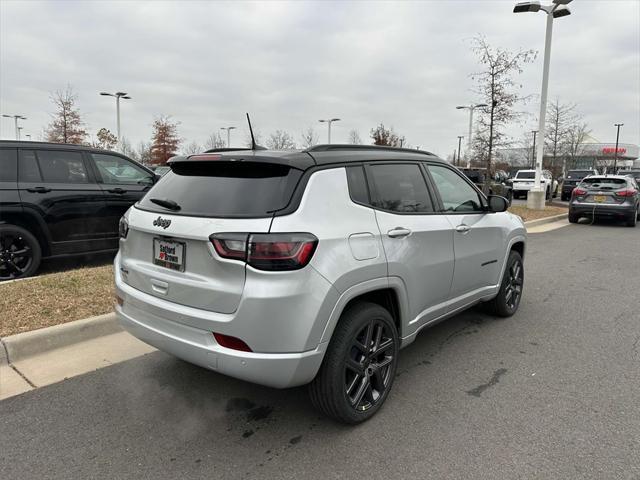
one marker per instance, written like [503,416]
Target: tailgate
[193,274]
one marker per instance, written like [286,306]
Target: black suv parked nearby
[573,178]
[59,200]
[498,184]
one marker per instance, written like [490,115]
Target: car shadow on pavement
[54,265]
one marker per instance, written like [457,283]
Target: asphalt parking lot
[550,393]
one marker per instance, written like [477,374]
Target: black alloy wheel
[19,253]
[368,365]
[515,282]
[506,303]
[359,366]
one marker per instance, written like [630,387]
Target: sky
[406,64]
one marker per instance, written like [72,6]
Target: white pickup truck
[524,180]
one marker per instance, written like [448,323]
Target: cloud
[290,63]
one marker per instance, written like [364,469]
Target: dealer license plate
[169,254]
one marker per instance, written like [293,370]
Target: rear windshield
[526,175]
[604,183]
[578,174]
[224,189]
[475,177]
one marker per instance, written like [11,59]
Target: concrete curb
[542,221]
[27,344]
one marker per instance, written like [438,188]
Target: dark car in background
[606,196]
[59,200]
[572,179]
[499,184]
[635,174]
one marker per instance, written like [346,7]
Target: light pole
[557,9]
[533,152]
[15,120]
[460,137]
[228,129]
[471,108]
[118,96]
[615,158]
[329,122]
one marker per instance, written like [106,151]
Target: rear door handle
[39,190]
[463,228]
[398,232]
[117,190]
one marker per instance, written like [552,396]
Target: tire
[349,368]
[632,220]
[547,195]
[573,218]
[510,198]
[564,197]
[506,303]
[13,241]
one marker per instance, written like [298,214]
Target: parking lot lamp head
[329,121]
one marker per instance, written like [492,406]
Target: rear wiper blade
[169,204]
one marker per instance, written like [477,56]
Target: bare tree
[354,137]
[143,153]
[66,124]
[126,148]
[384,136]
[498,88]
[280,140]
[192,148]
[165,140]
[576,137]
[105,139]
[215,140]
[309,138]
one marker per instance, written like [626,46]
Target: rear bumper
[277,370]
[170,327]
[602,210]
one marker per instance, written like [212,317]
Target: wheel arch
[32,223]
[389,293]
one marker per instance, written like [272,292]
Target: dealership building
[590,154]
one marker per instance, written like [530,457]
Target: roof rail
[335,147]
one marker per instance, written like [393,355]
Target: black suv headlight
[123,227]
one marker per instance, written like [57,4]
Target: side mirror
[498,204]
[156,177]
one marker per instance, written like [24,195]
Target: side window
[8,165]
[400,188]
[456,194]
[28,170]
[358,188]
[58,166]
[117,170]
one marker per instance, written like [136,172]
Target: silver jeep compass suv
[314,266]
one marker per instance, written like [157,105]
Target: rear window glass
[224,189]
[475,177]
[358,185]
[8,165]
[526,175]
[579,175]
[604,182]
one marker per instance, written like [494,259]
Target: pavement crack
[477,392]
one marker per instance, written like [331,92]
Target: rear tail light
[233,343]
[267,251]
[627,193]
[579,191]
[230,245]
[123,227]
